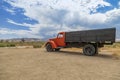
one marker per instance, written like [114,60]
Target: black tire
[89,50]
[57,49]
[49,48]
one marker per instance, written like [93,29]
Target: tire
[89,50]
[49,48]
[57,49]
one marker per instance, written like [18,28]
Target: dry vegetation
[15,44]
[114,49]
[68,64]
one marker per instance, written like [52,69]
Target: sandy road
[37,64]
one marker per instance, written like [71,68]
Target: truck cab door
[61,39]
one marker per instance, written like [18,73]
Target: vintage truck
[90,40]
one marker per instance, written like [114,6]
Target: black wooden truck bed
[98,35]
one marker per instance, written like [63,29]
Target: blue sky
[45,18]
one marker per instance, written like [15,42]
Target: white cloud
[19,24]
[10,10]
[64,15]
[113,16]
[18,33]
[39,9]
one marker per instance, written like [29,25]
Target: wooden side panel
[100,35]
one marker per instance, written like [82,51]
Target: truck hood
[52,39]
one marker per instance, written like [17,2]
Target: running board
[60,47]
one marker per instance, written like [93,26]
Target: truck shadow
[106,56]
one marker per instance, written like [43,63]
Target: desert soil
[37,64]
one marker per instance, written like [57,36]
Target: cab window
[60,35]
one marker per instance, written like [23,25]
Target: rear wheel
[49,47]
[89,50]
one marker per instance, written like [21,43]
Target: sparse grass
[3,44]
[114,49]
[37,45]
[115,45]
[14,44]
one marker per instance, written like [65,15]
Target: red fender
[52,44]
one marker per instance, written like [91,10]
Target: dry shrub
[116,55]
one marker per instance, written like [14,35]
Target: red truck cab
[56,43]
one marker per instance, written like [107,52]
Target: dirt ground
[37,64]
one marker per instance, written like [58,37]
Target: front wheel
[49,48]
[89,50]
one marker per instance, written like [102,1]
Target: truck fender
[52,44]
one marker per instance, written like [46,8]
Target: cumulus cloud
[113,16]
[40,9]
[64,15]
